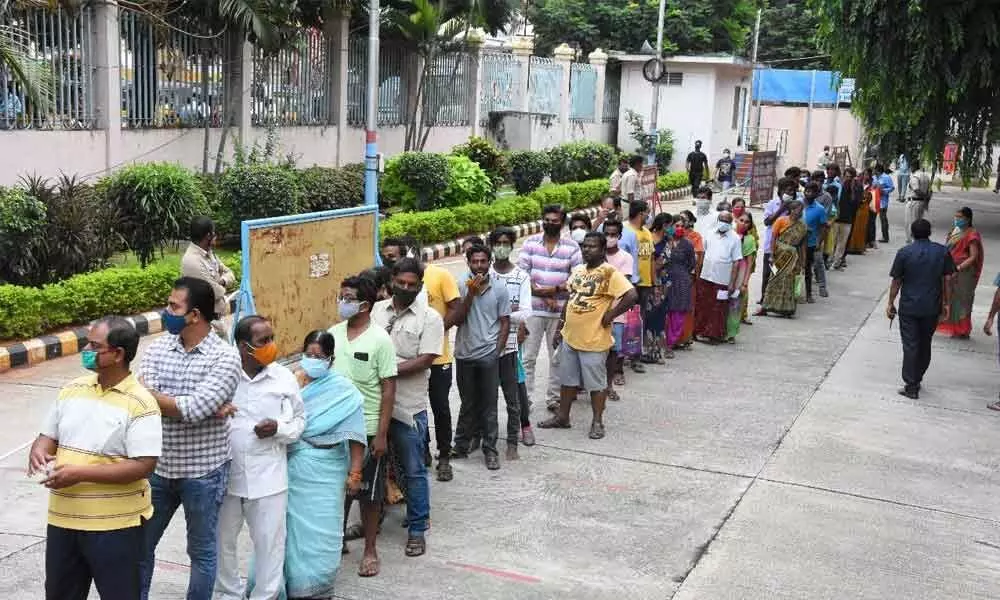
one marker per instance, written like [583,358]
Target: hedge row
[430,227]
[30,311]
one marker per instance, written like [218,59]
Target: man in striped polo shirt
[547,258]
[98,444]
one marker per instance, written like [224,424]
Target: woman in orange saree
[966,248]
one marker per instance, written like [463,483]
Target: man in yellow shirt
[441,292]
[585,337]
[98,444]
[638,213]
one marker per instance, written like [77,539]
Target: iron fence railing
[500,84]
[582,92]
[61,44]
[765,138]
[447,90]
[544,85]
[291,86]
[169,78]
[396,66]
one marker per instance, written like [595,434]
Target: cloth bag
[800,286]
[632,334]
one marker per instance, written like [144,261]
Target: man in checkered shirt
[192,373]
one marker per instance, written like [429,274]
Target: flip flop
[613,396]
[369,566]
[596,431]
[553,423]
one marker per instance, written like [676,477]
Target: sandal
[553,423]
[354,532]
[596,430]
[369,566]
[619,379]
[669,354]
[638,368]
[994,406]
[415,546]
[613,396]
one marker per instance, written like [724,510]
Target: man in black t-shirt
[696,163]
[725,170]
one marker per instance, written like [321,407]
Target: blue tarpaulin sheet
[798,87]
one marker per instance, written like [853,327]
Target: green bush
[28,311]
[580,161]
[261,190]
[528,169]
[416,180]
[583,194]
[489,158]
[672,181]
[220,209]
[664,149]
[152,204]
[22,231]
[467,183]
[327,189]
[552,193]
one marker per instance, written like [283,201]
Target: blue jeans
[409,442]
[201,498]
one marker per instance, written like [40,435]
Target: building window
[676,79]
[737,97]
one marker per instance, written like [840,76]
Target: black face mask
[552,229]
[389,262]
[406,297]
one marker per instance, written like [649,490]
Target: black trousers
[916,334]
[511,395]
[438,390]
[695,180]
[766,276]
[110,559]
[883,217]
[478,381]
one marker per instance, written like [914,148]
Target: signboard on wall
[647,185]
[762,177]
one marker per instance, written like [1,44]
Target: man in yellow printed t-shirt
[97,447]
[585,337]
[441,293]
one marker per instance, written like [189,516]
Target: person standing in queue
[920,279]
[441,291]
[192,373]
[598,294]
[638,213]
[364,354]
[98,444]
[417,333]
[547,258]
[200,261]
[266,415]
[479,342]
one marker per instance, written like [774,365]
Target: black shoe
[492,461]
[456,453]
[474,444]
[883,241]
[910,393]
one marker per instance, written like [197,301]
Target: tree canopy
[788,31]
[690,26]
[925,71]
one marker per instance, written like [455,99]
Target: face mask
[348,308]
[724,227]
[702,207]
[578,235]
[265,354]
[174,324]
[612,243]
[786,197]
[741,228]
[502,252]
[623,168]
[725,155]
[88,358]
[738,210]
[552,229]
[314,367]
[679,231]
[960,223]
[404,296]
[388,262]
[671,231]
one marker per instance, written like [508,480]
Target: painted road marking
[496,572]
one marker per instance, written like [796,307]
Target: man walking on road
[547,258]
[696,163]
[192,373]
[918,196]
[97,446]
[920,274]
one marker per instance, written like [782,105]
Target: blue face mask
[88,358]
[670,231]
[314,367]
[960,223]
[348,308]
[724,227]
[174,324]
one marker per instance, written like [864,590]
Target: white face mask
[786,197]
[578,235]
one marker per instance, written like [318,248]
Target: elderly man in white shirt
[718,281]
[267,414]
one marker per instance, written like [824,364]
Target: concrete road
[785,466]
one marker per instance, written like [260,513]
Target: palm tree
[33,77]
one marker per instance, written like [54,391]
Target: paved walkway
[785,466]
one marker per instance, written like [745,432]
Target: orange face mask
[265,354]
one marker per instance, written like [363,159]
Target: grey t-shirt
[476,338]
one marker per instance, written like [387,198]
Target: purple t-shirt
[548,270]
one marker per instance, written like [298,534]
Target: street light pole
[653,113]
[371,104]
[753,76]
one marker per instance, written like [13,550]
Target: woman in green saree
[787,262]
